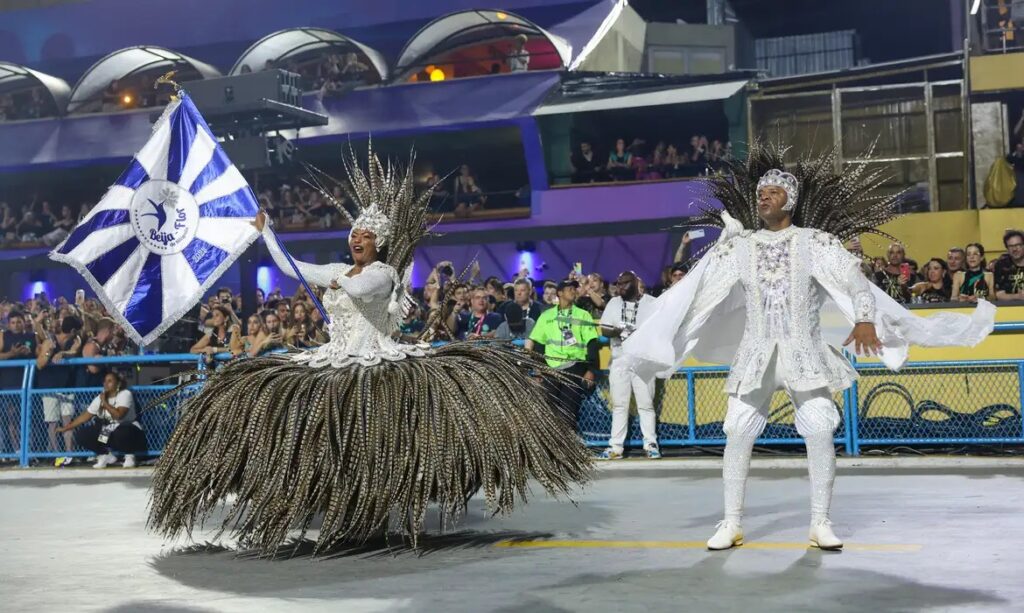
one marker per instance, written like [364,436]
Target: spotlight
[437,75]
[501,16]
[127,99]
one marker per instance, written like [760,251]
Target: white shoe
[102,461]
[129,461]
[822,537]
[729,535]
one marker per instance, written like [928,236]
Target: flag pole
[298,275]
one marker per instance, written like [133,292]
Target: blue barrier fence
[934,403]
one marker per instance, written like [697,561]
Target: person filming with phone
[111,426]
[895,278]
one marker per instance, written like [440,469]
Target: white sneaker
[822,537]
[728,535]
[129,461]
[105,460]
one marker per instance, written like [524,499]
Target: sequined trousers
[816,419]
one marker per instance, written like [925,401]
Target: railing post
[1020,389]
[691,404]
[27,380]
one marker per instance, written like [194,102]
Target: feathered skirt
[367,448]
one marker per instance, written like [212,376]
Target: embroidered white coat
[796,291]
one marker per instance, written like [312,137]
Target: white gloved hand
[731,228]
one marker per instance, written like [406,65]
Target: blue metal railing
[984,399]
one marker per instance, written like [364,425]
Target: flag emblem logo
[165,217]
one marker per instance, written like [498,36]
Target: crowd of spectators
[640,162]
[965,275]
[31,104]
[50,333]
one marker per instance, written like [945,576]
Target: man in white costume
[776,303]
[622,315]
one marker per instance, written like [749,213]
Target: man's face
[16,324]
[1015,247]
[677,276]
[479,301]
[550,295]
[567,294]
[770,200]
[283,310]
[955,259]
[626,284]
[522,294]
[896,255]
[225,297]
[585,148]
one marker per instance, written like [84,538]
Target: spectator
[523,301]
[300,333]
[621,318]
[218,339]
[273,337]
[353,69]
[974,282]
[620,163]
[673,164]
[955,259]
[937,285]
[249,343]
[516,325]
[519,58]
[58,406]
[30,228]
[478,322]
[112,427]
[9,220]
[678,272]
[1009,273]
[16,343]
[96,347]
[586,168]
[569,336]
[698,157]
[468,195]
[284,313]
[496,297]
[62,226]
[593,294]
[550,296]
[894,278]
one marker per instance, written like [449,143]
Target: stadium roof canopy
[286,44]
[469,27]
[16,78]
[127,62]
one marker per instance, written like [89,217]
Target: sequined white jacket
[362,324]
[797,291]
[782,275]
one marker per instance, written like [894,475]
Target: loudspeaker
[225,95]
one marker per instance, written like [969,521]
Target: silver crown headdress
[373,219]
[788,183]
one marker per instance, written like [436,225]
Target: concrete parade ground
[922,534]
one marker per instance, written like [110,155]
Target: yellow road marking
[563,544]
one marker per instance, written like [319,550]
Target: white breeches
[622,384]
[746,417]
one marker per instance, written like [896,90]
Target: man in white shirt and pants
[622,315]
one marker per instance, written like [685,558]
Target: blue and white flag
[174,221]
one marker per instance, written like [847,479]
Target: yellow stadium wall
[997,72]
[928,235]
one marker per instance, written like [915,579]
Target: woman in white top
[112,426]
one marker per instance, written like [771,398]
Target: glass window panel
[804,122]
[909,176]
[893,119]
[948,118]
[950,182]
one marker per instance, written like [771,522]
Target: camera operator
[112,425]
